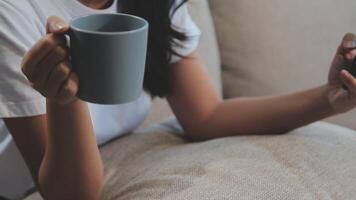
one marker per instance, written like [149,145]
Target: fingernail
[58,26]
[350,44]
[345,72]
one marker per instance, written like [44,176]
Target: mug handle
[68,36]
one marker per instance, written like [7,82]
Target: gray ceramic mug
[108,53]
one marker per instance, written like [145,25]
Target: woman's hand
[340,99]
[47,67]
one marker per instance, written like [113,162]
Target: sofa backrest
[279,46]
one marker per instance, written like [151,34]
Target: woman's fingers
[56,25]
[349,40]
[348,47]
[69,89]
[55,29]
[46,66]
[349,56]
[62,84]
[38,52]
[57,78]
[348,80]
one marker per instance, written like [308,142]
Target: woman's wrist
[323,106]
[332,92]
[70,117]
[72,104]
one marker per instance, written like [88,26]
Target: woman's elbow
[198,133]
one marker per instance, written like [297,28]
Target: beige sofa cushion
[313,162]
[208,49]
[278,46]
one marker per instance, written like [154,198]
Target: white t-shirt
[22,24]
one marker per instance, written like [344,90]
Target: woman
[55,134]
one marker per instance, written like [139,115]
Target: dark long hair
[158,13]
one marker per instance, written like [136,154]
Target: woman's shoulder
[181,19]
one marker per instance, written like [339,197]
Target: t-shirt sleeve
[17,35]
[182,22]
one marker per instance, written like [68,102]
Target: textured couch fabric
[313,162]
[278,46]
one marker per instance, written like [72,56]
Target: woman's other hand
[340,99]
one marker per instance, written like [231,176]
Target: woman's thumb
[349,41]
[56,25]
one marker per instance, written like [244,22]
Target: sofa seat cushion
[314,162]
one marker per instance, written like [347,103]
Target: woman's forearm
[72,167]
[266,115]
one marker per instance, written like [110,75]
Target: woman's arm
[71,168]
[60,151]
[204,115]
[60,147]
